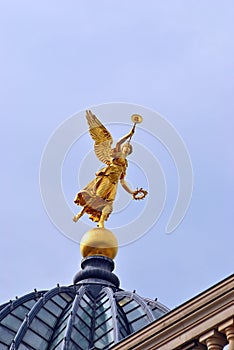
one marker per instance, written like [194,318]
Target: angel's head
[126,149]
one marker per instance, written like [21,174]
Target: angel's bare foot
[76,217]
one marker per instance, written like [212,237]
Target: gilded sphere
[99,241]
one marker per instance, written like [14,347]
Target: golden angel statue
[98,196]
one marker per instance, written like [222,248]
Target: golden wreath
[139,194]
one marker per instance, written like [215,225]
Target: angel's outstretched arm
[124,138]
[125,186]
[137,194]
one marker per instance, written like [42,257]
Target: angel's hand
[139,194]
[132,130]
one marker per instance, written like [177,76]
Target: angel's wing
[101,136]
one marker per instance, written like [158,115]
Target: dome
[91,313]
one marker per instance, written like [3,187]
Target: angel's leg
[78,216]
[105,212]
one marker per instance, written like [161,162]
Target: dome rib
[144,306]
[72,317]
[109,293]
[30,317]
[13,304]
[13,314]
[3,306]
[156,307]
[136,309]
[58,337]
[103,330]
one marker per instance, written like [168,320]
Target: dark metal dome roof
[93,312]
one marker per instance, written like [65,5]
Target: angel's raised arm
[124,138]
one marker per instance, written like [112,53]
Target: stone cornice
[187,322]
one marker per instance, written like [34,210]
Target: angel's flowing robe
[100,193]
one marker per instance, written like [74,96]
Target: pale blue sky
[60,57]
